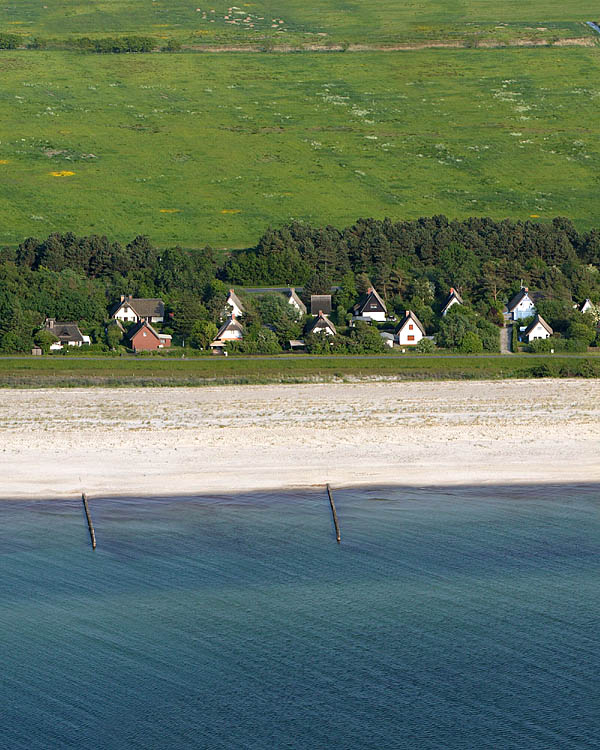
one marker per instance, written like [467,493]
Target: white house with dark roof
[370,307]
[409,331]
[231,330]
[537,329]
[134,310]
[67,333]
[321,324]
[235,305]
[586,306]
[453,298]
[294,300]
[521,305]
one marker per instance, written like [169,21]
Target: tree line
[411,263]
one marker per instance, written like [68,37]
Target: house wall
[230,335]
[408,330]
[165,342]
[539,332]
[324,328]
[235,310]
[378,315]
[144,341]
[126,314]
[524,309]
[293,302]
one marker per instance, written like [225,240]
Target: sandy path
[186,440]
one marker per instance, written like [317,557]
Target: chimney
[130,297]
[50,322]
[369,290]
[525,288]
[451,290]
[122,298]
[231,291]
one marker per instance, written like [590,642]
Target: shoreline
[288,494]
[232,440]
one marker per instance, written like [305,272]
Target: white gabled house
[453,298]
[295,301]
[67,333]
[134,310]
[537,329]
[587,306]
[231,330]
[409,331]
[321,324]
[235,305]
[521,305]
[370,307]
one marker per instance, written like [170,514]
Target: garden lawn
[196,149]
[294,21]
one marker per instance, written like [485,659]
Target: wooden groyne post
[336,523]
[86,508]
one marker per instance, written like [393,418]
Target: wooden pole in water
[86,507]
[336,523]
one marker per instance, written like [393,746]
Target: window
[411,338]
[410,327]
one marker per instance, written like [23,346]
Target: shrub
[471,343]
[9,41]
[425,346]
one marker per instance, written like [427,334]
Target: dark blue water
[465,618]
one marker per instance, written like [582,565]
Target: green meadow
[195,149]
[71,372]
[294,21]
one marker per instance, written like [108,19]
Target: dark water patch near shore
[447,618]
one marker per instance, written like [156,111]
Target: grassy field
[82,372]
[192,148]
[295,21]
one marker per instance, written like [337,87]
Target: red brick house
[143,338]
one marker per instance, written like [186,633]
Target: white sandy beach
[56,443]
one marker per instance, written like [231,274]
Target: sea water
[458,618]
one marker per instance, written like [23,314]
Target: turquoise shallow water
[465,618]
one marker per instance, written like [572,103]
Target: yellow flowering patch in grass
[62,173]
[231,211]
[534,216]
[169,210]
[3,161]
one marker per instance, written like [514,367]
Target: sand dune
[55,443]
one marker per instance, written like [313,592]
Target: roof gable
[452,295]
[408,318]
[519,297]
[320,323]
[291,295]
[234,300]
[370,302]
[538,320]
[142,324]
[64,330]
[231,324]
